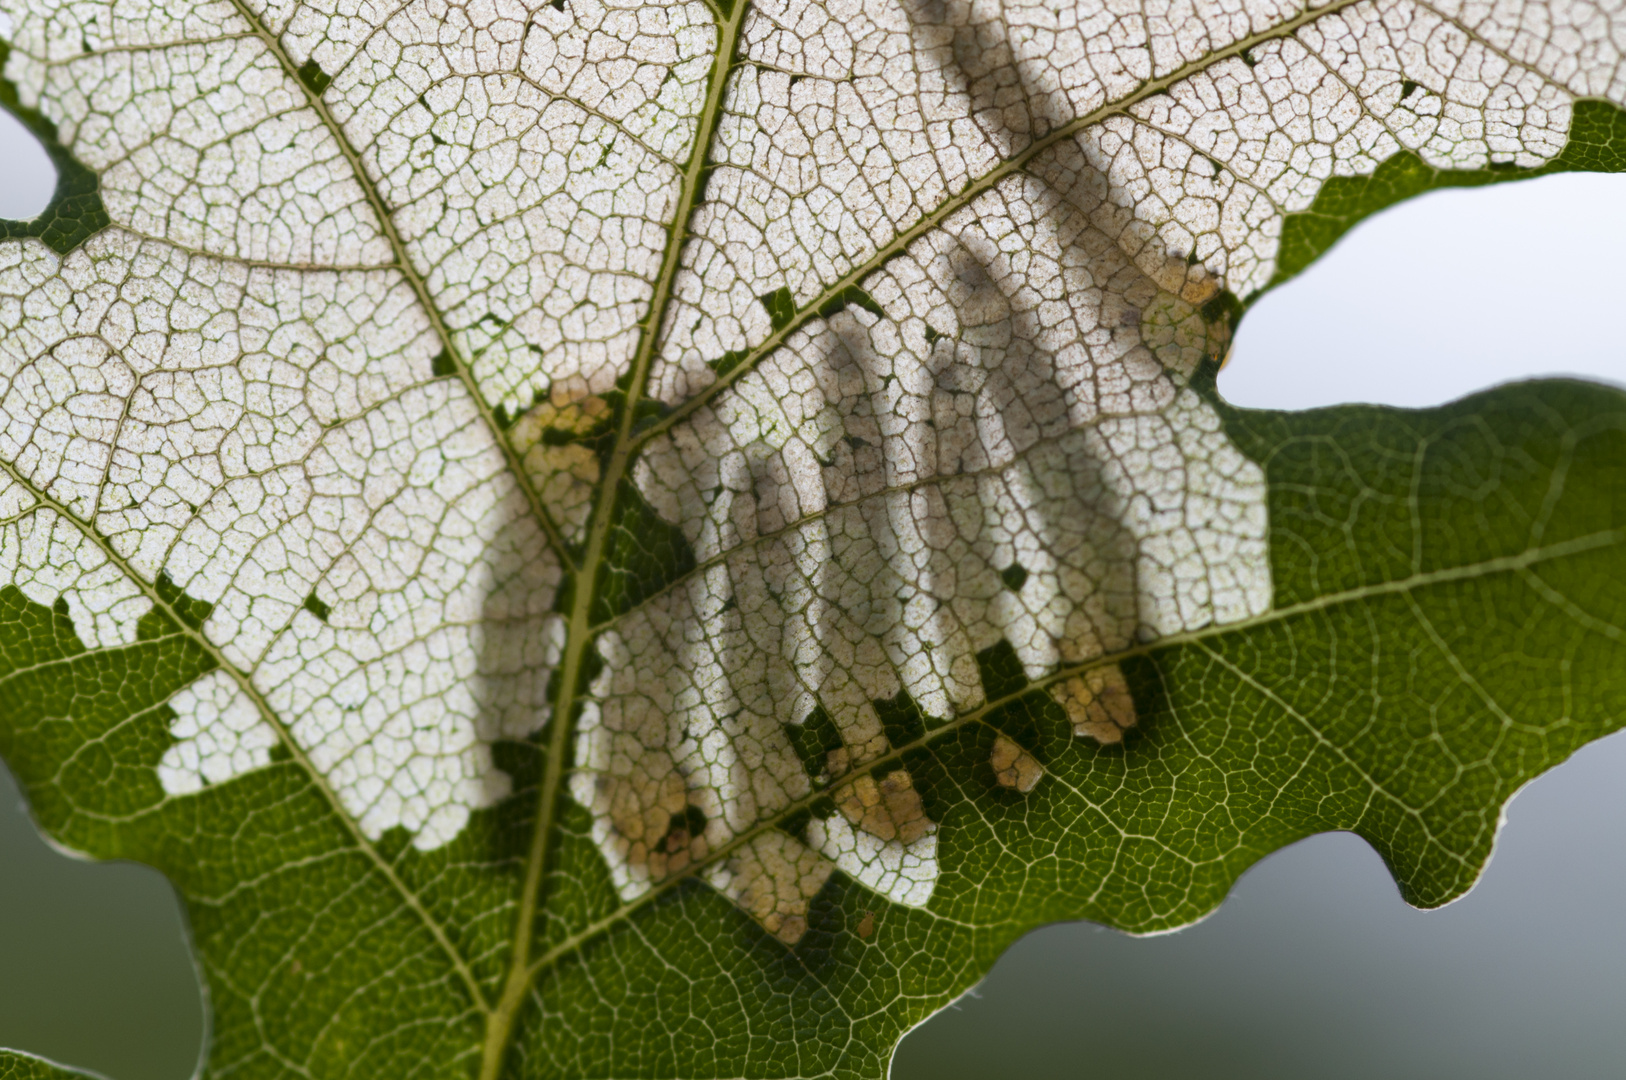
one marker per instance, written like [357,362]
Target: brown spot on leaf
[1013,766]
[1099,704]
[844,759]
[890,809]
[866,926]
[773,878]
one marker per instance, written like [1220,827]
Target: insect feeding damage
[1013,766]
[1099,704]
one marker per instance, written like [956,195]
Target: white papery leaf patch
[306,414]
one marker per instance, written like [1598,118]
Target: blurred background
[1314,968]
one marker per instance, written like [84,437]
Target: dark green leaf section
[814,739]
[1434,703]
[1597,143]
[728,361]
[315,79]
[1425,676]
[642,555]
[851,296]
[1014,576]
[75,213]
[192,612]
[315,963]
[780,306]
[315,606]
[18,1066]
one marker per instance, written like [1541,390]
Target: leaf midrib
[579,633]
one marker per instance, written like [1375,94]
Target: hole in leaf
[727,362]
[1417,320]
[30,178]
[1001,670]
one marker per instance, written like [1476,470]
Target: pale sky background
[1314,968]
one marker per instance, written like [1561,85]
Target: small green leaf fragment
[781,308]
[443,365]
[727,362]
[643,555]
[796,823]
[315,79]
[1001,670]
[851,296]
[190,611]
[683,828]
[16,1065]
[314,605]
[813,740]
[1014,576]
[901,718]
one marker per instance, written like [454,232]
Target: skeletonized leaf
[656,538]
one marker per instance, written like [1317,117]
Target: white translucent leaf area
[916,358]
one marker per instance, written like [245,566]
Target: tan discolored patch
[1099,704]
[650,817]
[844,759]
[1013,766]
[890,809]
[866,926]
[772,879]
[563,470]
